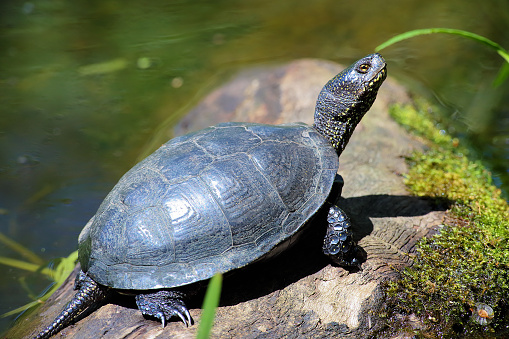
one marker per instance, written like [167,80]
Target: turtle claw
[185,317]
[164,305]
[182,312]
[160,316]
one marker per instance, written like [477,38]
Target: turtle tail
[89,293]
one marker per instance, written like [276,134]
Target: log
[298,294]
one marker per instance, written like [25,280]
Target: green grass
[210,303]
[467,261]
[504,71]
[62,268]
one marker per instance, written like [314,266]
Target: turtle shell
[206,202]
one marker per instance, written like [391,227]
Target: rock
[298,294]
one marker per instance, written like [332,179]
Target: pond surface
[86,85]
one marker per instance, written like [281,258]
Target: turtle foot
[164,305]
[338,243]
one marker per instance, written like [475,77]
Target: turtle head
[345,99]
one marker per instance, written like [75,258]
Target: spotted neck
[336,127]
[345,99]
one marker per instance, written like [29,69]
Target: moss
[467,262]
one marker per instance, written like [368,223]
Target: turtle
[219,199]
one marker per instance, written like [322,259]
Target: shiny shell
[207,202]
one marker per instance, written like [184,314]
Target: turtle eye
[364,68]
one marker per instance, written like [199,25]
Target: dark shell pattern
[207,202]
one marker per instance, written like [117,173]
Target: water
[85,85]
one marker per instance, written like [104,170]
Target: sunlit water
[84,86]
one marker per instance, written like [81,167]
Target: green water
[84,86]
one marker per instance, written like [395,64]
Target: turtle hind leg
[164,305]
[89,293]
[338,243]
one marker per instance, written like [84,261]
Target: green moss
[418,121]
[467,261]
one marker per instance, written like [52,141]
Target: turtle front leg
[164,305]
[338,243]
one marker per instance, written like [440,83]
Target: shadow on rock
[361,209]
[305,257]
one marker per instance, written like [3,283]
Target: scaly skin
[340,106]
[338,243]
[345,99]
[88,294]
[164,305]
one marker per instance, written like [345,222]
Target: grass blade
[59,275]
[21,309]
[210,304]
[22,250]
[476,37]
[503,74]
[25,266]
